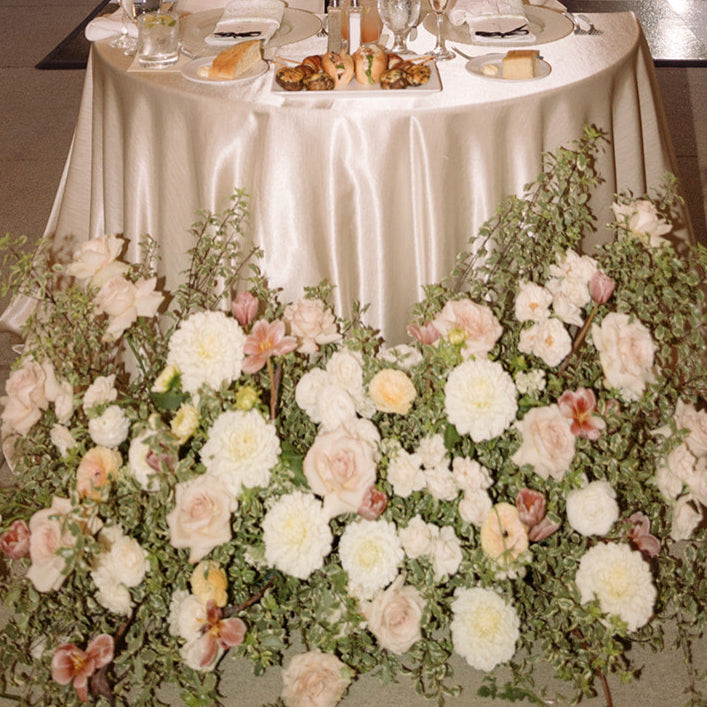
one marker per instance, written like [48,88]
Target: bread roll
[520,64]
[340,67]
[370,61]
[235,61]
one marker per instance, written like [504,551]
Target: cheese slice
[236,60]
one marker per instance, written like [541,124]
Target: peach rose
[201,518]
[312,324]
[475,323]
[95,470]
[548,442]
[26,398]
[341,467]
[124,301]
[394,616]
[46,538]
[392,391]
[626,351]
[503,536]
[315,679]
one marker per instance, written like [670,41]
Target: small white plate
[476,66]
[191,72]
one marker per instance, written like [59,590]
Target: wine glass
[131,9]
[400,16]
[440,52]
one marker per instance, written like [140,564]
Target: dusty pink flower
[71,664]
[244,308]
[374,503]
[531,506]
[14,542]
[640,535]
[218,635]
[601,287]
[425,333]
[542,530]
[578,406]
[267,339]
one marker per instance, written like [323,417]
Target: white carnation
[307,392]
[187,615]
[484,628]
[62,439]
[620,579]
[101,391]
[241,449]
[126,560]
[446,553]
[207,349]
[370,554]
[336,407]
[344,368]
[112,593]
[475,507]
[405,473]
[110,429]
[296,534]
[433,451]
[592,510]
[469,475]
[480,399]
[417,537]
[440,483]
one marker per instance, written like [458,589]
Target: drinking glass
[158,37]
[399,16]
[440,52]
[131,9]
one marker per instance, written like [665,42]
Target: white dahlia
[480,399]
[207,348]
[241,449]
[297,535]
[620,579]
[370,554]
[484,628]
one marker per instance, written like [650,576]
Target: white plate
[476,66]
[191,72]
[358,90]
[296,25]
[546,25]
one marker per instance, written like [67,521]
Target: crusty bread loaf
[520,64]
[236,60]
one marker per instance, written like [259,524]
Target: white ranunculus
[370,554]
[469,475]
[187,615]
[440,483]
[241,449]
[532,302]
[626,351]
[475,507]
[62,439]
[685,519]
[592,510]
[101,391]
[548,340]
[405,473]
[296,534]
[572,266]
[620,579]
[484,628]
[446,553]
[433,451]
[480,399]
[417,537]
[110,429]
[207,349]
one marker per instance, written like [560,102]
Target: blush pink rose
[340,467]
[26,396]
[476,324]
[14,542]
[315,679]
[312,324]
[245,308]
[503,536]
[548,442]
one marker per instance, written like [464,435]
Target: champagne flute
[400,16]
[440,52]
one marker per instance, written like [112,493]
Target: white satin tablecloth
[376,194]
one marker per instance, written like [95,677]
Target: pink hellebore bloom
[578,406]
[640,535]
[244,308]
[219,634]
[267,339]
[374,503]
[426,333]
[71,664]
[601,287]
[14,542]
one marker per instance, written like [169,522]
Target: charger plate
[546,25]
[296,25]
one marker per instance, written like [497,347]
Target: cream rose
[642,220]
[26,398]
[95,470]
[394,616]
[312,324]
[548,442]
[101,391]
[125,301]
[626,352]
[315,679]
[95,260]
[46,538]
[548,340]
[688,417]
[340,466]
[201,518]
[392,391]
[475,323]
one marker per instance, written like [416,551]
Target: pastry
[235,61]
[339,66]
[290,78]
[417,74]
[314,62]
[370,61]
[520,64]
[319,82]
[394,79]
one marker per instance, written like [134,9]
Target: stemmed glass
[400,16]
[131,9]
[440,52]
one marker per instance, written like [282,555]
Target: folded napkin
[247,19]
[108,26]
[549,4]
[492,19]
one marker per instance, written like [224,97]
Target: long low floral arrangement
[206,476]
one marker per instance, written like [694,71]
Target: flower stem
[578,341]
[602,678]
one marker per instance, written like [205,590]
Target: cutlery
[252,33]
[461,54]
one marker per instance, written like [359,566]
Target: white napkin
[496,17]
[549,4]
[108,26]
[261,16]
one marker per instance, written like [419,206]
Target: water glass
[158,37]
[399,16]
